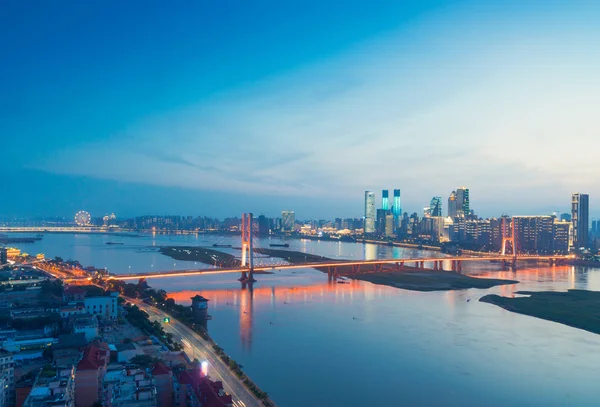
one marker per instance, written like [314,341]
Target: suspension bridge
[509,257]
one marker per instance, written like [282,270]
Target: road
[197,348]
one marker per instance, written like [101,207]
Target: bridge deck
[340,263]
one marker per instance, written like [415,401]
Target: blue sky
[215,108]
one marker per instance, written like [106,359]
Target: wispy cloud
[499,114]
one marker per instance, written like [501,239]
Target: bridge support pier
[435,265]
[441,266]
[459,265]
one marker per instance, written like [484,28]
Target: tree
[144,361]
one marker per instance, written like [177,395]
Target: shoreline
[409,278]
[575,308]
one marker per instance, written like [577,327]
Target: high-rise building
[397,205]
[381,219]
[462,201]
[435,206]
[561,236]
[580,217]
[385,199]
[369,226]
[452,205]
[263,225]
[288,221]
[389,225]
[534,234]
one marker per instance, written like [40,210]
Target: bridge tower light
[247,248]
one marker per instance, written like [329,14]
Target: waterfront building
[380,224]
[369,224]
[200,310]
[288,221]
[562,230]
[263,225]
[437,229]
[385,199]
[397,207]
[53,387]
[435,206]
[452,208]
[462,201]
[389,224]
[534,234]
[580,218]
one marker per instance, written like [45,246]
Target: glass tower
[369,226]
[435,206]
[385,199]
[580,216]
[396,205]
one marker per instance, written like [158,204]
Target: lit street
[197,348]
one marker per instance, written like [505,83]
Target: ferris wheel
[82,218]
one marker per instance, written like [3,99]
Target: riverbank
[200,254]
[575,308]
[429,280]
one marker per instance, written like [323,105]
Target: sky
[221,107]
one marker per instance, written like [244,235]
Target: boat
[279,245]
[114,243]
[221,245]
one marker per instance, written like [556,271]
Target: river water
[309,342]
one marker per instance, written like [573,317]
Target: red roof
[160,368]
[94,356]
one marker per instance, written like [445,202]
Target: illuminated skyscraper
[396,205]
[462,201]
[385,199]
[369,226]
[452,205]
[580,210]
[435,206]
[288,221]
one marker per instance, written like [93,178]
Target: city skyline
[325,110]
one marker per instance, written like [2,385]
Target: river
[309,342]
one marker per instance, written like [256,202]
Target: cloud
[505,116]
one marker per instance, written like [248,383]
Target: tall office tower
[580,208]
[452,205]
[534,234]
[369,226]
[288,221]
[435,206]
[381,219]
[385,199]
[561,236]
[263,225]
[389,225]
[462,201]
[396,205]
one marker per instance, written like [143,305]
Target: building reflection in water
[248,297]
[251,298]
[246,301]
